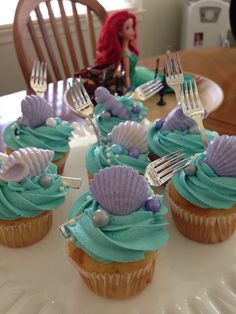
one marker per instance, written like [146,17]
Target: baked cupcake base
[202,225]
[25,231]
[114,280]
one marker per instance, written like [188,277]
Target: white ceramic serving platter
[190,278]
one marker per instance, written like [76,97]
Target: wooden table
[217,64]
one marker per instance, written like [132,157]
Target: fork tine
[171,167]
[169,162]
[166,157]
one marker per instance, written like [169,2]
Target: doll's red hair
[109,46]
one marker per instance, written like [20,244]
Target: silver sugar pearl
[190,170]
[61,188]
[108,155]
[100,218]
[45,181]
[109,161]
[17,137]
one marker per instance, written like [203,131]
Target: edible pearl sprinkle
[51,122]
[100,218]
[117,156]
[17,137]
[108,149]
[109,161]
[62,188]
[108,155]
[45,181]
[88,197]
[13,126]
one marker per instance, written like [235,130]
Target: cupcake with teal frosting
[114,232]
[202,198]
[126,145]
[37,127]
[176,132]
[30,190]
[111,110]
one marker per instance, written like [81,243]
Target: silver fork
[38,79]
[163,169]
[174,74]
[192,107]
[147,90]
[83,104]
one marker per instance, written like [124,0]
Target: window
[7,8]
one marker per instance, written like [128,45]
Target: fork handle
[96,129]
[198,119]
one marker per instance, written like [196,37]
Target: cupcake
[125,145]
[30,189]
[175,132]
[111,110]
[202,198]
[114,233]
[39,129]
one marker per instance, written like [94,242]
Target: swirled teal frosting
[206,189]
[47,137]
[106,124]
[96,159]
[28,198]
[125,238]
[161,143]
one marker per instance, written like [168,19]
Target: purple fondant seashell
[111,104]
[119,189]
[176,120]
[25,162]
[35,111]
[221,155]
[130,135]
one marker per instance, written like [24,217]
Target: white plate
[190,277]
[210,93]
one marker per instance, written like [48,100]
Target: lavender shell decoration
[117,109]
[35,111]
[221,155]
[177,121]
[130,135]
[119,189]
[25,162]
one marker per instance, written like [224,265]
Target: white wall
[159,29]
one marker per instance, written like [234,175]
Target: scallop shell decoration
[130,135]
[176,120]
[35,111]
[111,104]
[221,155]
[119,189]
[25,162]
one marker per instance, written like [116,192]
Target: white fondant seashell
[130,135]
[221,155]
[35,111]
[119,189]
[25,162]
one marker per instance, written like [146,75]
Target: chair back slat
[80,36]
[68,36]
[58,40]
[91,31]
[36,43]
[54,39]
[47,43]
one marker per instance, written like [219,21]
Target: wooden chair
[57,39]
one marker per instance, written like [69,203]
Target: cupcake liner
[26,231]
[119,286]
[115,280]
[60,163]
[210,228]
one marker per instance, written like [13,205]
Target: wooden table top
[218,64]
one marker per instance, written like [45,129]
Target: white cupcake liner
[118,286]
[23,233]
[213,229]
